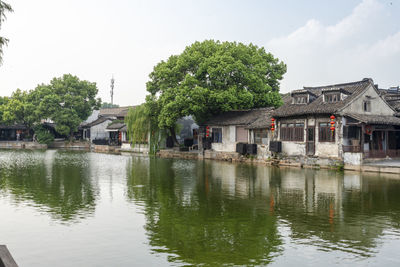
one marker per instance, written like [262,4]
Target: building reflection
[212,218]
[229,213]
[56,182]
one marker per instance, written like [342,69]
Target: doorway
[310,141]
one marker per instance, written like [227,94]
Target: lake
[72,208]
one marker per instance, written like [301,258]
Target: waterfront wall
[68,145]
[22,145]
[138,148]
[103,148]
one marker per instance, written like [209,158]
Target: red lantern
[332,123]
[207,131]
[272,124]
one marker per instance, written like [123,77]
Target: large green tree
[212,77]
[20,108]
[67,101]
[4,8]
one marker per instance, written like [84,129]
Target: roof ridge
[369,80]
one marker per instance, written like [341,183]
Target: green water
[65,208]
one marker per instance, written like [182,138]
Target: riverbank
[391,166]
[384,166]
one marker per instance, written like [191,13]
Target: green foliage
[3,102]
[108,105]
[141,124]
[67,101]
[211,77]
[43,135]
[4,7]
[20,108]
[138,124]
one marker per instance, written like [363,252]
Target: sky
[322,42]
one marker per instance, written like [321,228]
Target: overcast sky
[322,42]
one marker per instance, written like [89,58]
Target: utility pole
[112,90]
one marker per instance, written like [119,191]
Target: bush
[43,135]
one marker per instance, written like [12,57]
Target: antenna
[112,90]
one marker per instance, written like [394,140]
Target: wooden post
[387,142]
[362,138]
[6,259]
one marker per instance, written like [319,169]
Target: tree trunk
[173,134]
[71,136]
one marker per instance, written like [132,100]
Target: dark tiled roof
[116,126]
[392,98]
[318,106]
[263,121]
[117,112]
[240,117]
[375,119]
[96,122]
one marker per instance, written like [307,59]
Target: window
[367,106]
[300,100]
[351,132]
[325,133]
[216,134]
[260,136]
[331,98]
[292,132]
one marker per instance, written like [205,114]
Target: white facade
[98,131]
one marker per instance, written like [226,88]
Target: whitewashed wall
[99,131]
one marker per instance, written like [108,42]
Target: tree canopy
[4,7]
[212,77]
[67,101]
[108,105]
[20,108]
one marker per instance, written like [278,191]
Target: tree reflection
[191,217]
[57,182]
[217,213]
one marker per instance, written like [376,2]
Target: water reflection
[56,182]
[196,212]
[189,218]
[220,213]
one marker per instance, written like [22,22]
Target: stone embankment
[22,145]
[70,145]
[391,166]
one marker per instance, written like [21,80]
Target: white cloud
[358,46]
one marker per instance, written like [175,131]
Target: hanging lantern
[332,123]
[272,124]
[207,131]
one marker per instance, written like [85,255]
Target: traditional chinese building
[349,122]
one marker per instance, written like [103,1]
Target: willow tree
[4,7]
[143,127]
[138,124]
[212,77]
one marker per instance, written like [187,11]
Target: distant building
[106,126]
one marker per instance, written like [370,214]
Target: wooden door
[310,141]
[241,134]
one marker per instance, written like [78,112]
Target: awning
[375,119]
